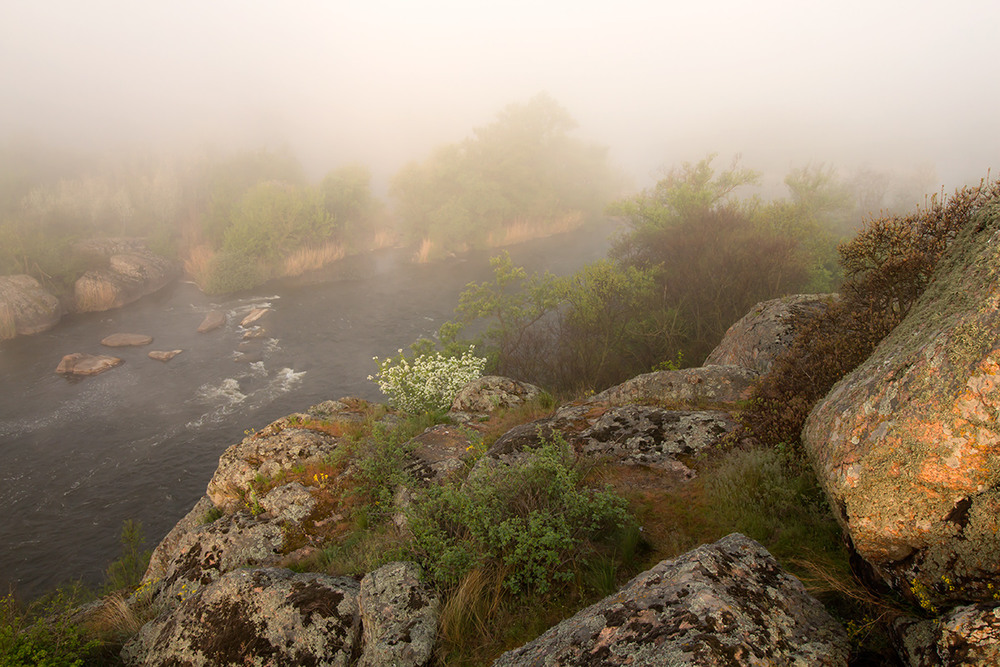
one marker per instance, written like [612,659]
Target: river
[140,441]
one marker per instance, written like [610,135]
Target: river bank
[78,458]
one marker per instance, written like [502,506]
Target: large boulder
[763,334]
[255,617]
[965,636]
[26,307]
[643,435]
[205,553]
[727,603]
[399,615]
[907,446]
[491,392]
[213,320]
[128,277]
[203,513]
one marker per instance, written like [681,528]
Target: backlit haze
[900,86]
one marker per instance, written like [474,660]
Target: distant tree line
[699,251]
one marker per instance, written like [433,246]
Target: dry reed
[310,258]
[520,231]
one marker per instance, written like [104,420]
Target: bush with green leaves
[43,634]
[536,522]
[429,382]
[888,265]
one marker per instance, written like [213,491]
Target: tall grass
[310,258]
[520,231]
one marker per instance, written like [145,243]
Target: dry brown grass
[527,230]
[94,295]
[119,618]
[311,258]
[423,255]
[384,238]
[7,327]
[471,610]
[198,262]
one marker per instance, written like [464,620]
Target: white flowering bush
[427,383]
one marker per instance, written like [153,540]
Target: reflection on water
[142,440]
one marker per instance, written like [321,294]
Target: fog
[893,85]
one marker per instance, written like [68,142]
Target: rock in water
[163,355]
[79,363]
[126,340]
[763,334]
[213,320]
[26,307]
[907,446]
[727,603]
[253,316]
[129,276]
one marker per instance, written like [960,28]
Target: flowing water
[140,441]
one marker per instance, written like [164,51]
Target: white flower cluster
[428,382]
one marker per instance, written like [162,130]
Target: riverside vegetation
[496,544]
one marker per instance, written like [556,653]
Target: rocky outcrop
[265,455]
[399,615]
[727,603]
[207,552]
[642,435]
[438,453]
[255,617]
[212,321]
[907,446]
[966,636]
[26,307]
[203,513]
[628,435]
[489,393]
[708,386]
[79,363]
[128,277]
[126,340]
[757,339]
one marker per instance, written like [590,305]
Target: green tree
[347,198]
[522,168]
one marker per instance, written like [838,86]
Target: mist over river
[140,441]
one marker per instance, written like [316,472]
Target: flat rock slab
[727,603]
[126,340]
[79,363]
[707,386]
[163,355]
[438,452]
[213,320]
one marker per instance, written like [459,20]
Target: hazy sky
[888,83]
